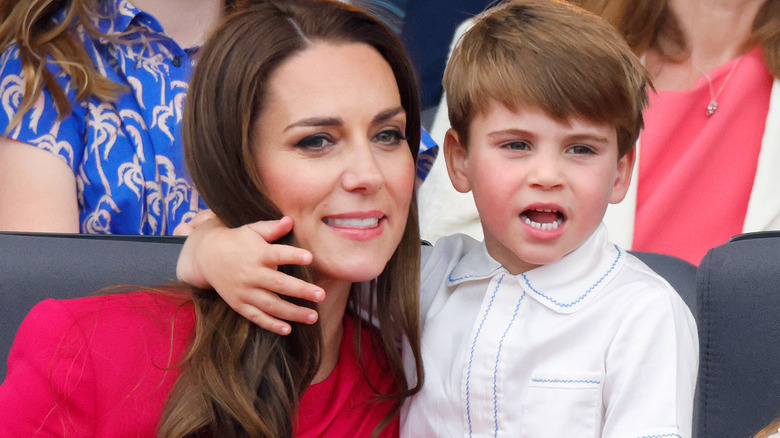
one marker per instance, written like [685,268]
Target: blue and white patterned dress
[126,155]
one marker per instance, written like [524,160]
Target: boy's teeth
[545,216]
[353,223]
[545,226]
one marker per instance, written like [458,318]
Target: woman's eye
[581,149]
[390,137]
[517,146]
[317,141]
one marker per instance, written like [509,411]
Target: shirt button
[176,61]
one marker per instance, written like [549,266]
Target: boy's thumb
[271,231]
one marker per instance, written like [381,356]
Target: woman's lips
[359,226]
[352,222]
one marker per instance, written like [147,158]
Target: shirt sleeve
[48,390]
[651,369]
[40,126]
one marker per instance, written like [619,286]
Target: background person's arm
[37,190]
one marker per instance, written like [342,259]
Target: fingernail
[312,318]
[319,295]
[285,330]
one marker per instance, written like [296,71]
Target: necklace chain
[713,105]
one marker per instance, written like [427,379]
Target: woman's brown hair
[237,379]
[42,40]
[650,24]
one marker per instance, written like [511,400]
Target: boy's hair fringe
[551,55]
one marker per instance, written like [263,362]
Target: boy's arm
[241,265]
[651,370]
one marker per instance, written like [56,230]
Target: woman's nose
[363,170]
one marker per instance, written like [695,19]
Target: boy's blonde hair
[551,55]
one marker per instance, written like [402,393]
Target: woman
[301,108]
[708,155]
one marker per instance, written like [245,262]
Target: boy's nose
[362,171]
[545,172]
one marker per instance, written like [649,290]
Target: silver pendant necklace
[713,105]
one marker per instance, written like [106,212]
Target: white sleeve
[651,368]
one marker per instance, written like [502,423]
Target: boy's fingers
[280,283]
[286,255]
[272,230]
[263,320]
[275,309]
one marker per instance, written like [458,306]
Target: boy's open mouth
[543,219]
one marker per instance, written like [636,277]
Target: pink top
[102,367]
[696,172]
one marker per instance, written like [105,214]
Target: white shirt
[593,345]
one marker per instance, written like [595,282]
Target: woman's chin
[351,272]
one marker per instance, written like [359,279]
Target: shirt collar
[564,286]
[117,16]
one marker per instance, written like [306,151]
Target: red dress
[103,367]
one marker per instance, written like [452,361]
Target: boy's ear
[625,168]
[456,157]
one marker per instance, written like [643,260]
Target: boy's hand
[241,266]
[186,228]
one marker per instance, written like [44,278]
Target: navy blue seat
[738,302]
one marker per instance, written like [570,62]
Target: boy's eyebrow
[589,137]
[511,131]
[592,137]
[337,121]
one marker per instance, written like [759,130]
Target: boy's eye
[581,149]
[517,146]
[316,141]
[390,137]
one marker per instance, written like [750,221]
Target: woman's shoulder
[120,348]
[112,320]
[121,332]
[120,304]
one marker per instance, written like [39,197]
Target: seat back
[738,286]
[35,266]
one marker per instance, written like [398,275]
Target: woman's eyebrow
[388,114]
[315,121]
[337,121]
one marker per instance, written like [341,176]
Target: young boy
[546,329]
